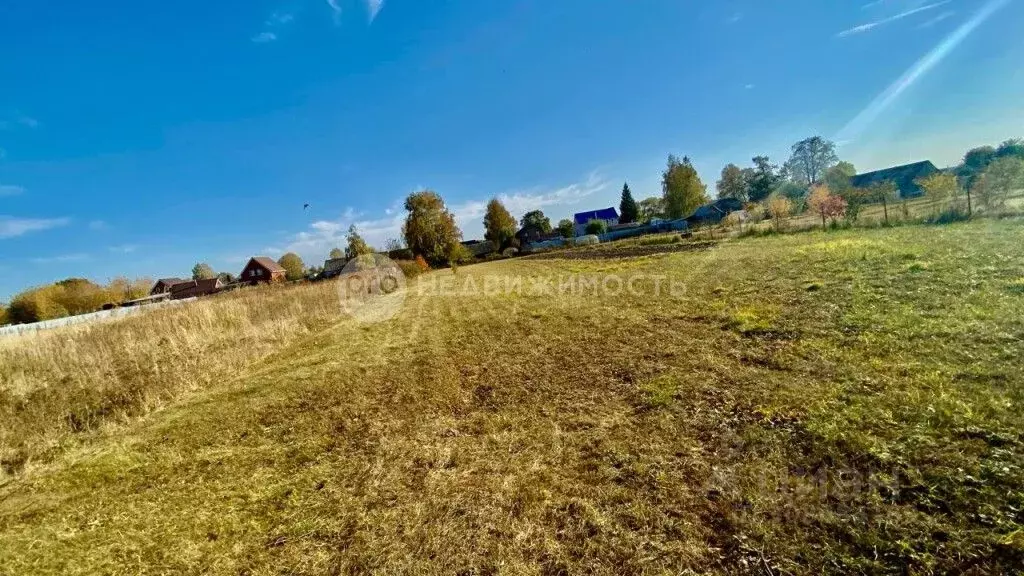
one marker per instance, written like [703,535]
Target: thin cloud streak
[374,7]
[62,259]
[930,60]
[937,19]
[7,190]
[335,9]
[11,227]
[872,25]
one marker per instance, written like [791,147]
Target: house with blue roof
[609,215]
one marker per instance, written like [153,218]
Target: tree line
[812,179]
[816,180]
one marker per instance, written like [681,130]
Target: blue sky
[139,138]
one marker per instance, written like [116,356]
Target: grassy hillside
[841,402]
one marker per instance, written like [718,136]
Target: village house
[904,177]
[479,248]
[261,269]
[333,267]
[163,285]
[714,212]
[196,288]
[609,215]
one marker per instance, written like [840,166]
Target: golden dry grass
[58,384]
[809,403]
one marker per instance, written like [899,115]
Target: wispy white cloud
[124,249]
[11,227]
[518,203]
[326,234]
[335,10]
[736,17]
[8,190]
[61,259]
[271,25]
[930,60]
[937,19]
[872,25]
[749,87]
[374,7]
[264,37]
[870,5]
[18,120]
[97,225]
[280,18]
[27,121]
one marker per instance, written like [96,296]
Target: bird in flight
[305,206]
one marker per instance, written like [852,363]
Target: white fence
[86,318]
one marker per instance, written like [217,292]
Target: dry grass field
[842,402]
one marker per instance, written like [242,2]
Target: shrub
[780,208]
[457,255]
[596,227]
[948,216]
[422,263]
[566,228]
[410,268]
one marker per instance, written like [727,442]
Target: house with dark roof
[580,219]
[714,212]
[904,177]
[261,269]
[479,248]
[333,267]
[196,288]
[163,285]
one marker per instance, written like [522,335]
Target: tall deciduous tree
[762,179]
[499,225]
[536,219]
[682,188]
[1012,147]
[810,159]
[429,227]
[974,163]
[650,208]
[293,266]
[629,211]
[203,271]
[838,178]
[356,246]
[733,183]
[336,253]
